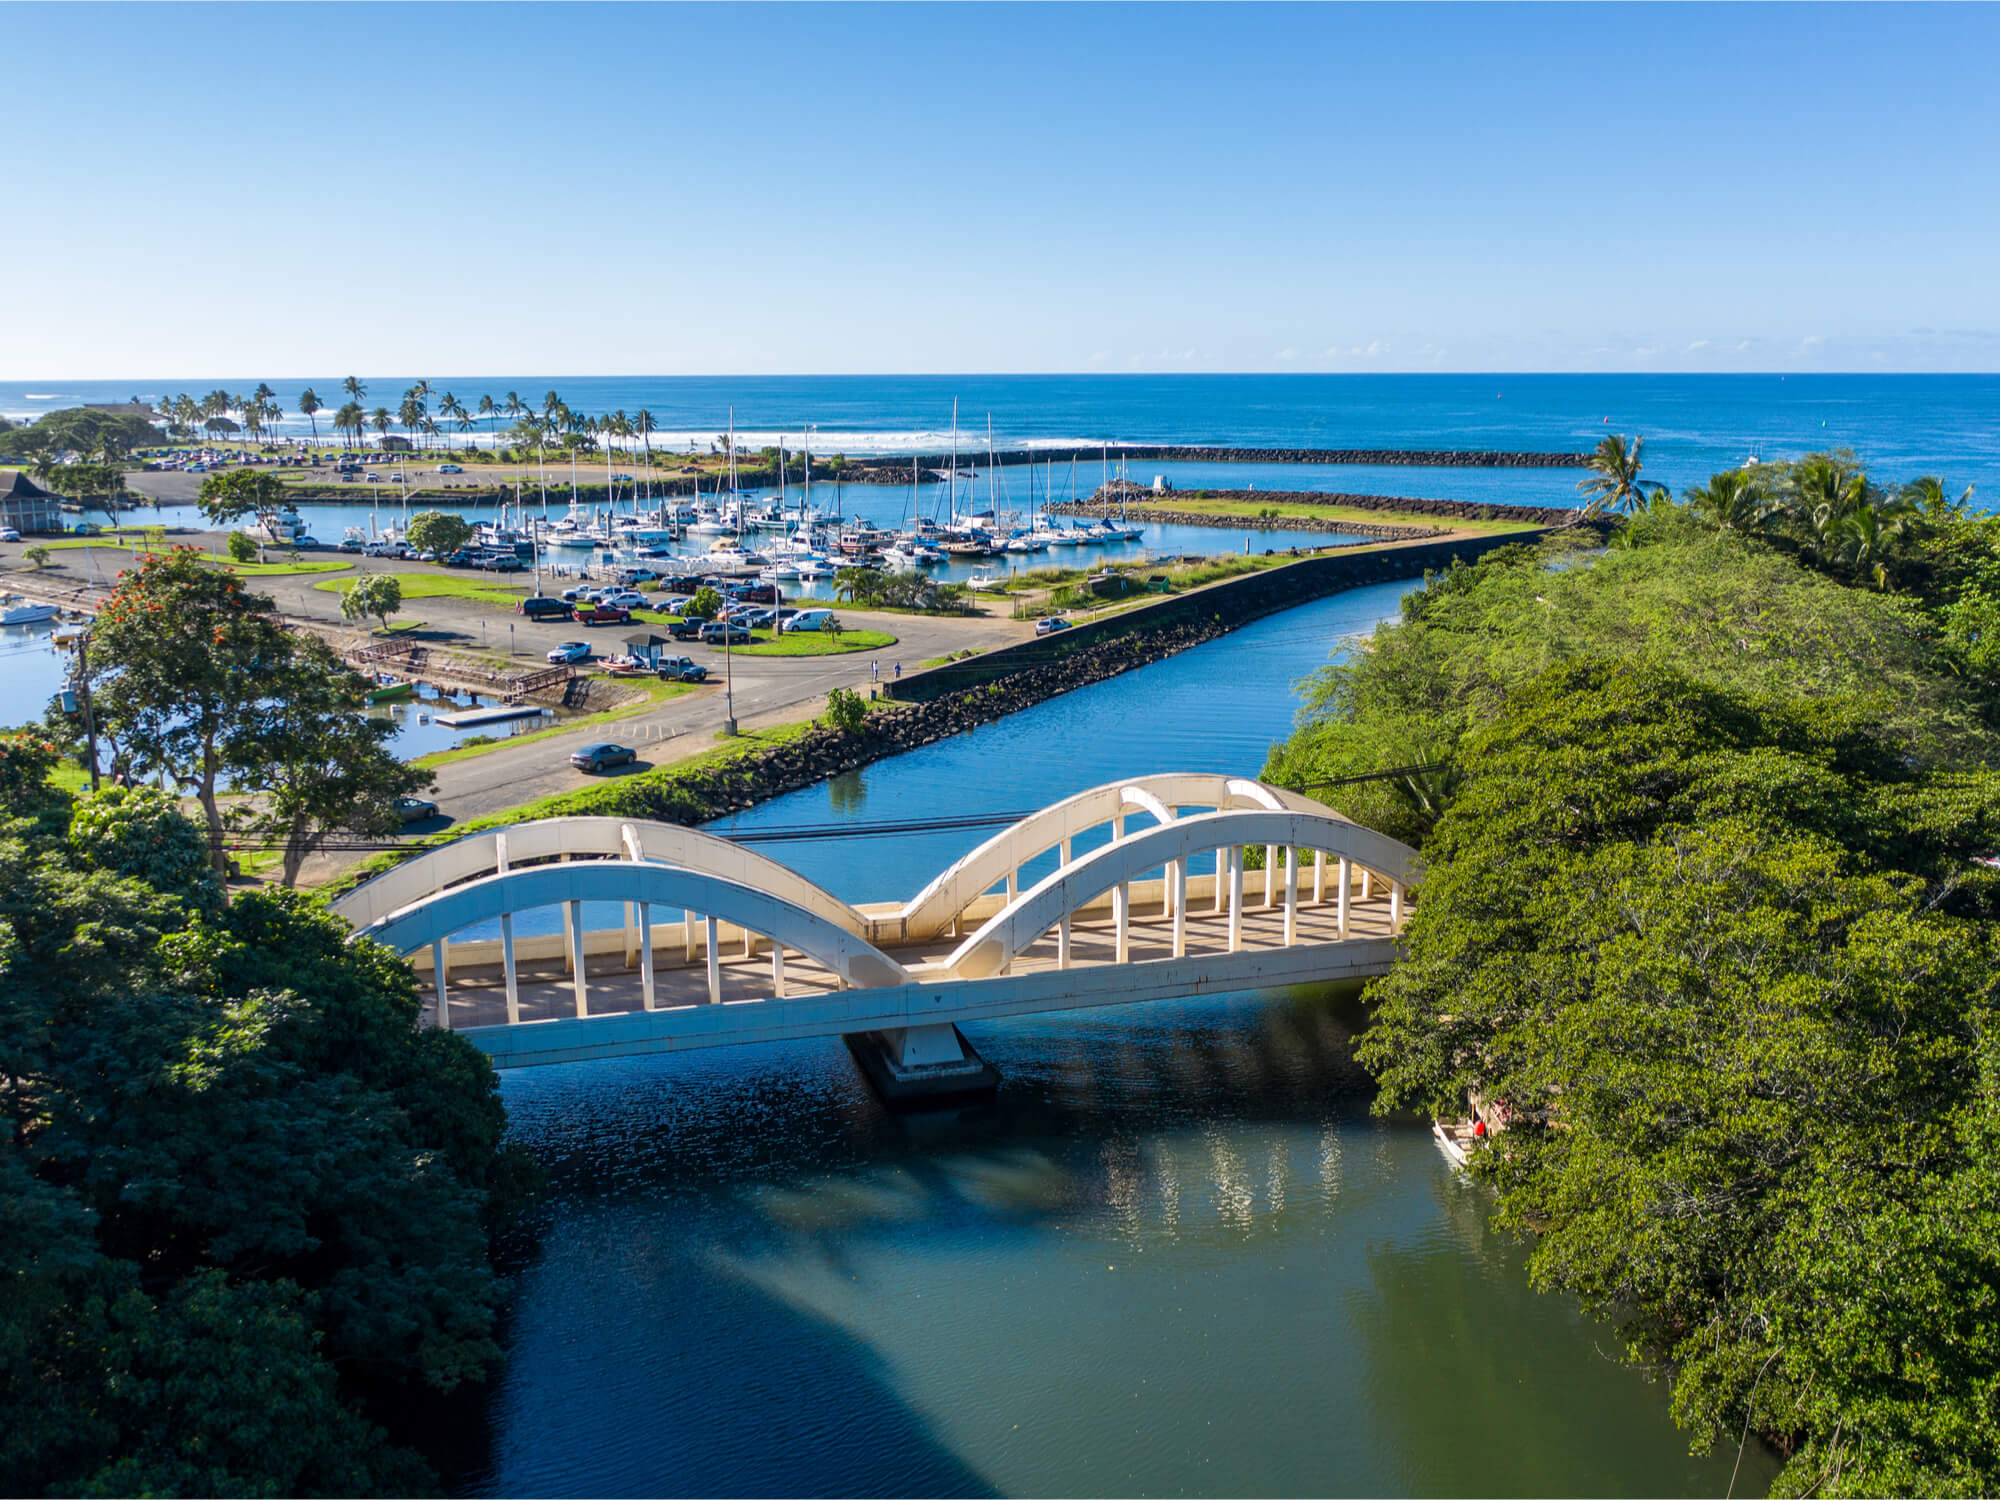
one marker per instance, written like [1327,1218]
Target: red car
[603,614]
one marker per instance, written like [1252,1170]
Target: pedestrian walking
[874,671]
[899,669]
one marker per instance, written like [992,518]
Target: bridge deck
[476,993]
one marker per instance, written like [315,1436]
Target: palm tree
[454,408]
[381,421]
[349,421]
[252,408]
[1868,537]
[309,409]
[644,425]
[1732,501]
[1826,489]
[488,409]
[1614,482]
[1929,497]
[354,388]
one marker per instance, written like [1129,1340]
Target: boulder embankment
[1187,511]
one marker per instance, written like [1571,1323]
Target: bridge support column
[916,1066]
[1177,889]
[1121,921]
[440,977]
[1270,870]
[714,962]
[1367,883]
[573,919]
[1395,906]
[1319,876]
[1291,897]
[1221,878]
[1235,897]
[777,970]
[1013,884]
[1346,879]
[649,996]
[569,914]
[687,937]
[631,936]
[507,971]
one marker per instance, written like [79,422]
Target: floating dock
[464,718]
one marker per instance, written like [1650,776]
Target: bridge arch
[433,919]
[1001,856]
[1017,926]
[587,838]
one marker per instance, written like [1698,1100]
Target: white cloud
[1100,356]
[1697,344]
[1288,354]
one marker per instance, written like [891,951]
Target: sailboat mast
[953,471]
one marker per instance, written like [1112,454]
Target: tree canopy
[1707,923]
[246,1198]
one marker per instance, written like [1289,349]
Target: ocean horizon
[1694,425]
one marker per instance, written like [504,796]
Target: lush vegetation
[246,1199]
[1706,924]
[872,588]
[193,678]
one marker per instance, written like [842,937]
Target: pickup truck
[681,669]
[602,614]
[685,630]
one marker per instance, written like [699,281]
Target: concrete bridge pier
[920,1067]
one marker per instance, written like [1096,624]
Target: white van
[809,619]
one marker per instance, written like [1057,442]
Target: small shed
[646,646]
[26,506]
[389,443]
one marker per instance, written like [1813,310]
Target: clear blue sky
[660,190]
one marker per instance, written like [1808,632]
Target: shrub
[845,710]
[242,548]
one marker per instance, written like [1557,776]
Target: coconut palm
[381,421]
[354,388]
[1732,501]
[1614,483]
[1869,536]
[309,409]
[1929,497]
[253,416]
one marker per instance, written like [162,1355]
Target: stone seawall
[1389,531]
[1445,510]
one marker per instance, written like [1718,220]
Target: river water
[1177,1255]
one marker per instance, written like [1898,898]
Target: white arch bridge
[720,944]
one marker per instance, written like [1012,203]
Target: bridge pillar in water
[917,1066]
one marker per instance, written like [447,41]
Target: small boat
[986,582]
[1455,1139]
[17,611]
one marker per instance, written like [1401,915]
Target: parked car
[682,669]
[571,651]
[501,562]
[623,599]
[602,614]
[462,558]
[85,528]
[9,534]
[415,809]
[450,469]
[603,757]
[757,619]
[347,544]
[724,633]
[633,576]
[542,608]
[808,619]
[685,630]
[1050,625]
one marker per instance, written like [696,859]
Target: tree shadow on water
[693,1381]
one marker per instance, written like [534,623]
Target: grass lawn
[1251,512]
[446,586]
[945,661]
[815,643]
[655,692]
[278,569]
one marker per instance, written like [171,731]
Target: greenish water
[1176,1256]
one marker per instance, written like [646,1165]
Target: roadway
[765,690]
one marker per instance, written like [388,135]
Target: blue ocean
[1901,425]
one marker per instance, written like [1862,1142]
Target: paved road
[766,690]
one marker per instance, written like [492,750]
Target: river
[1177,1255]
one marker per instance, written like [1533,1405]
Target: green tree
[138,832]
[242,546]
[1613,483]
[846,710]
[705,605]
[236,493]
[180,652]
[439,531]
[372,596]
[309,408]
[321,766]
[37,555]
